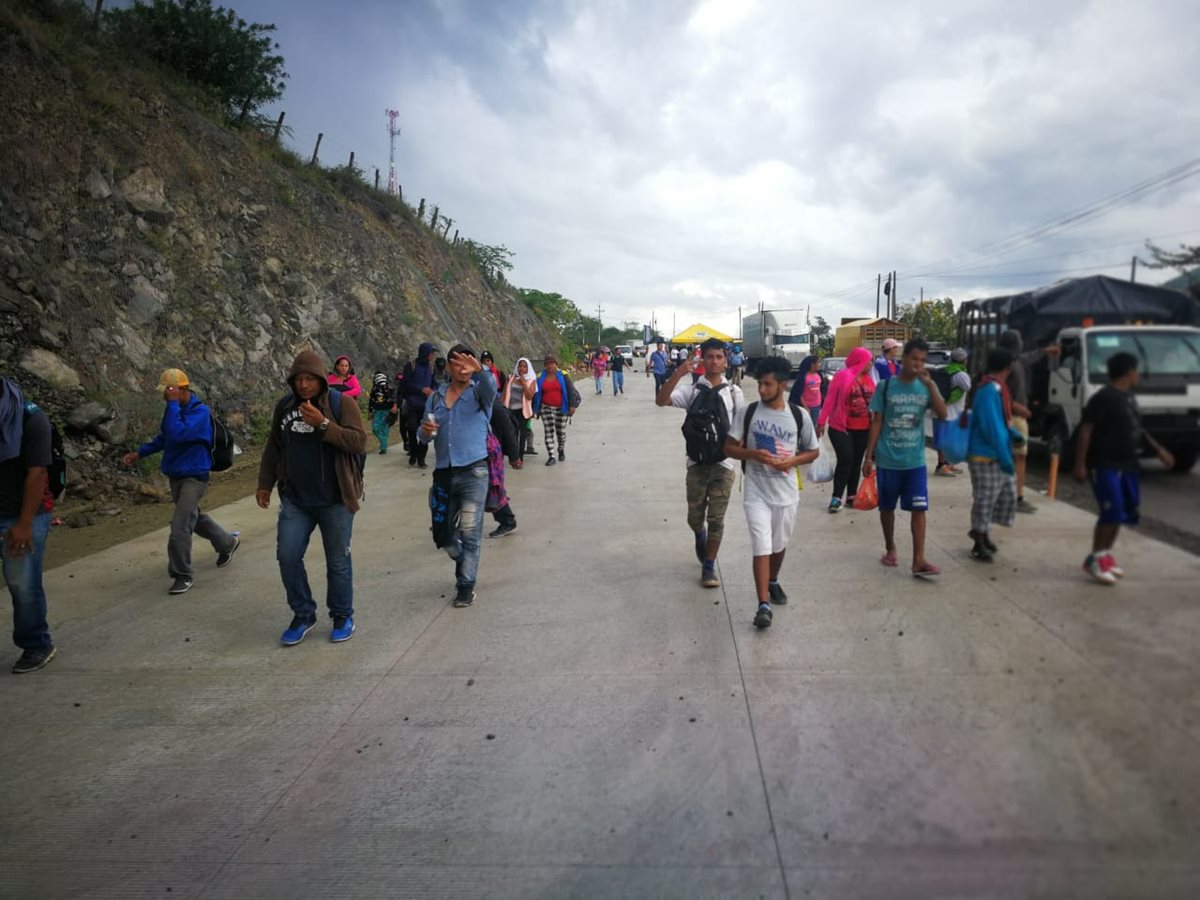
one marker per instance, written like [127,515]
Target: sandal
[889,560]
[929,570]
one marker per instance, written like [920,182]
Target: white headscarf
[530,375]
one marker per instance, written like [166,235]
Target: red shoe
[519,464]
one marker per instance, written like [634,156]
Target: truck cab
[1168,390]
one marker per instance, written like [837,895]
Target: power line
[1038,233]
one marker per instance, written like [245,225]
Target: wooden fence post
[96,15]
[313,161]
[448,222]
[351,159]
[456,235]
[433,219]
[421,211]
[377,178]
[278,127]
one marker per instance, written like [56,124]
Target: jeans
[188,519]
[850,446]
[599,384]
[468,494]
[23,575]
[659,381]
[618,382]
[296,524]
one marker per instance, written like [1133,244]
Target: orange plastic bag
[868,493]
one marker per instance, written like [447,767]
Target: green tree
[933,320]
[237,61]
[1182,259]
[822,333]
[493,261]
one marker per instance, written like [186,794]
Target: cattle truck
[1090,319]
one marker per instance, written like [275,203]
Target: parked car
[831,364]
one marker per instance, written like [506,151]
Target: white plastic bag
[820,470]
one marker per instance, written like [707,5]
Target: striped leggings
[554,421]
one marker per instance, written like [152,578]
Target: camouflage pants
[709,488]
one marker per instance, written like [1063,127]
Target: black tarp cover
[1040,314]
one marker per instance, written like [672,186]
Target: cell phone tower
[393,133]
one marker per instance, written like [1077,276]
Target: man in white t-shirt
[710,473]
[778,438]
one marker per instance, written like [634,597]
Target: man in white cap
[185,439]
[887,363]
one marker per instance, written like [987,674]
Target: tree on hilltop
[212,47]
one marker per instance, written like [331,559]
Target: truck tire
[1185,458]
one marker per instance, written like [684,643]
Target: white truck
[776,332]
[1090,319]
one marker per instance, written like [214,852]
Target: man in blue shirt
[897,439]
[185,440]
[658,365]
[456,421]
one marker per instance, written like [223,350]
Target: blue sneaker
[343,629]
[702,546]
[295,632]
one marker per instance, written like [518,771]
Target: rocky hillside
[137,233]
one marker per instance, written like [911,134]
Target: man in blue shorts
[1110,439]
[897,441]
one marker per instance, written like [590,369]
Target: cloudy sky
[689,157]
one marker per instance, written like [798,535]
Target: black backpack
[224,448]
[941,378]
[57,470]
[706,425]
[797,413]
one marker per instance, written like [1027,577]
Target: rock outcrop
[136,233]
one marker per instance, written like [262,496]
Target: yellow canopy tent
[698,334]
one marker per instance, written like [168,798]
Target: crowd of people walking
[869,417]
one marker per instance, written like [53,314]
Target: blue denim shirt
[463,427]
[658,362]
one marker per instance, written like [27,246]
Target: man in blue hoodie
[417,387]
[185,440]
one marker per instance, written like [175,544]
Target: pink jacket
[833,411]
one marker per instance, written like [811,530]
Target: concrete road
[1170,501]
[599,725]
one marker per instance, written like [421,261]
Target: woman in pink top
[343,379]
[846,412]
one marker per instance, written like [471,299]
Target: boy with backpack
[185,439]
[26,499]
[771,437]
[711,403]
[898,440]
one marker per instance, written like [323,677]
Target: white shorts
[770,526]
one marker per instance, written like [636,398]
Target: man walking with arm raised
[710,472]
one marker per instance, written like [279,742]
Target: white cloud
[690,157]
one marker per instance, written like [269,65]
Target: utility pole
[878,287]
[895,298]
[1133,270]
[599,326]
[922,293]
[393,133]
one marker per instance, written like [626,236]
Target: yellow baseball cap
[172,378]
